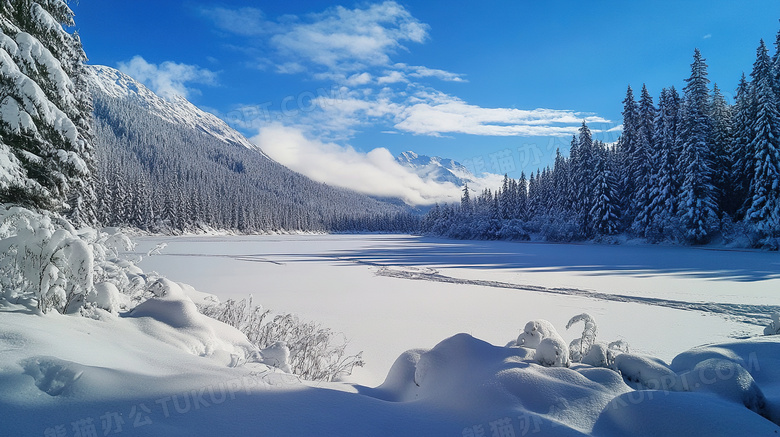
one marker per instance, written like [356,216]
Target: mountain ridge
[113,83]
[436,168]
[167,166]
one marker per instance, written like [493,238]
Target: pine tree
[465,200]
[522,198]
[605,213]
[46,111]
[741,155]
[570,197]
[720,139]
[560,183]
[664,179]
[697,200]
[583,175]
[764,191]
[628,143]
[642,162]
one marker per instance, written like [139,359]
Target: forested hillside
[167,166]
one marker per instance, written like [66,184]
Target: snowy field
[390,293]
[433,318]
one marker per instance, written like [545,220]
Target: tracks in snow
[752,314]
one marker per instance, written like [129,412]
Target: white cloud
[168,79]
[341,41]
[359,79]
[375,173]
[391,77]
[441,114]
[349,39]
[338,39]
[420,71]
[245,21]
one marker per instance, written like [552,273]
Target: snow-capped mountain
[112,83]
[167,165]
[435,168]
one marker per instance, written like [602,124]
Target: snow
[112,83]
[11,172]
[34,102]
[326,278]
[165,369]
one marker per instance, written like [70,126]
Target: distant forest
[689,169]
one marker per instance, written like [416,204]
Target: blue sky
[497,85]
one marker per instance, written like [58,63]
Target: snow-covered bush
[550,348]
[552,352]
[580,347]
[535,331]
[587,351]
[46,263]
[315,353]
[774,326]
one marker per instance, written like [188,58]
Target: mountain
[111,83]
[435,168]
[165,165]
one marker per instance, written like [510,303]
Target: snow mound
[647,372]
[726,379]
[174,318]
[552,352]
[277,355]
[475,379]
[108,297]
[671,414]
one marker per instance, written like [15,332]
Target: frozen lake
[390,293]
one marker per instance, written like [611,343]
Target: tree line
[690,168]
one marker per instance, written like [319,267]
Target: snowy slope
[436,169]
[113,83]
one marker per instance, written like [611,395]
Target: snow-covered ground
[163,369]
[390,293]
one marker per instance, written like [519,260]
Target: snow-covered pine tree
[697,198]
[506,199]
[534,196]
[605,212]
[560,183]
[522,197]
[776,65]
[664,180]
[583,175]
[763,210]
[628,143]
[570,196]
[720,140]
[741,156]
[465,200]
[45,111]
[642,162]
